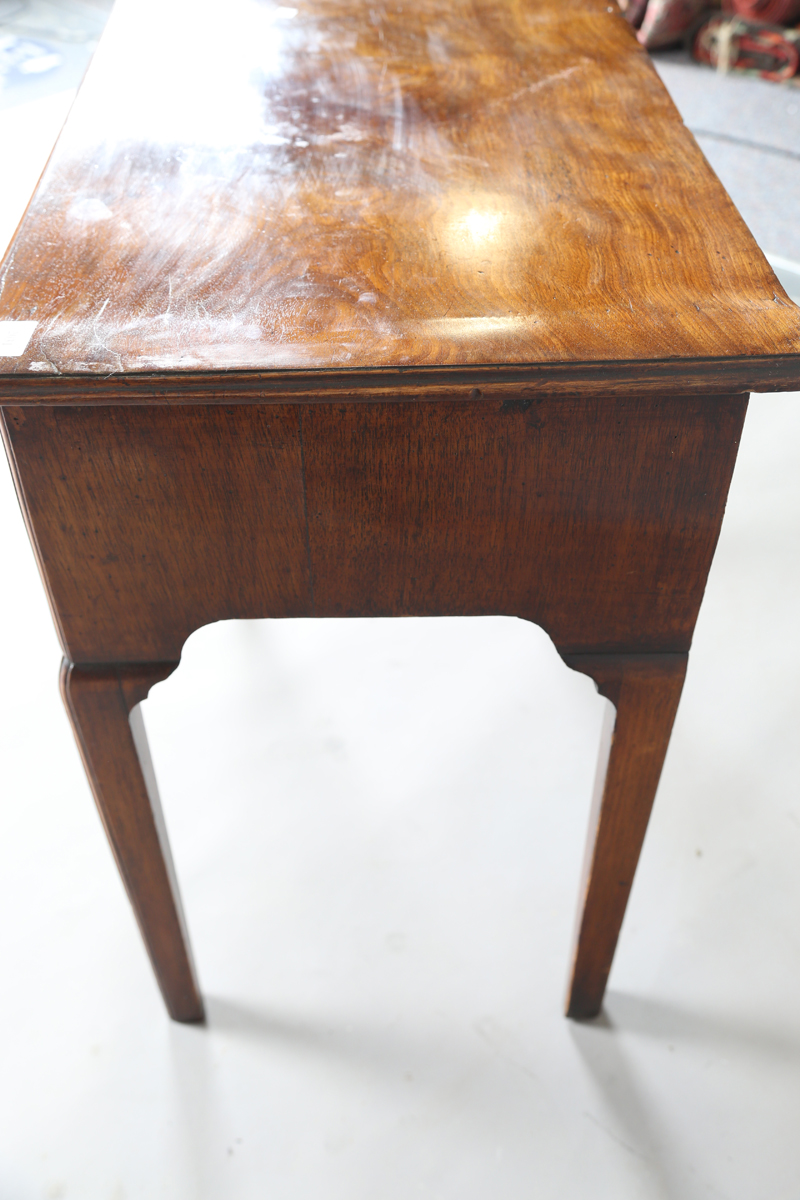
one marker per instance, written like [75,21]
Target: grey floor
[378,827]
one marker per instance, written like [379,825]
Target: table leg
[103,705]
[645,690]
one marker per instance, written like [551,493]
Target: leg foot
[117,761]
[645,690]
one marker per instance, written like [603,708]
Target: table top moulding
[341,196]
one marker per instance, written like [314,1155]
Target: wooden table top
[416,188]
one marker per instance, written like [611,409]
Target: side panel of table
[149,523]
[594,517]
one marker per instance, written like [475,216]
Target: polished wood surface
[103,705]
[345,186]
[348,310]
[644,690]
[595,518]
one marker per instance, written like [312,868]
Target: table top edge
[764,373]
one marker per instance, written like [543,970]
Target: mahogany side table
[432,309]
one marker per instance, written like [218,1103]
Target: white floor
[378,827]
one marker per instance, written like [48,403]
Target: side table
[343,312]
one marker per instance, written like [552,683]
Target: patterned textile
[733,44]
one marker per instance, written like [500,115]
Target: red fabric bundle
[730,43]
[774,12]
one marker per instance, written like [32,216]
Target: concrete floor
[378,827]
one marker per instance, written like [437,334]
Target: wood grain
[645,691]
[595,518]
[114,750]
[694,377]
[355,309]
[509,507]
[149,523]
[361,187]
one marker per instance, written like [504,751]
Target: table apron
[595,517]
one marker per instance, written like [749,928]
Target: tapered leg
[115,754]
[645,690]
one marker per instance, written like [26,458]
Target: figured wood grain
[645,691]
[596,518]
[349,186]
[103,706]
